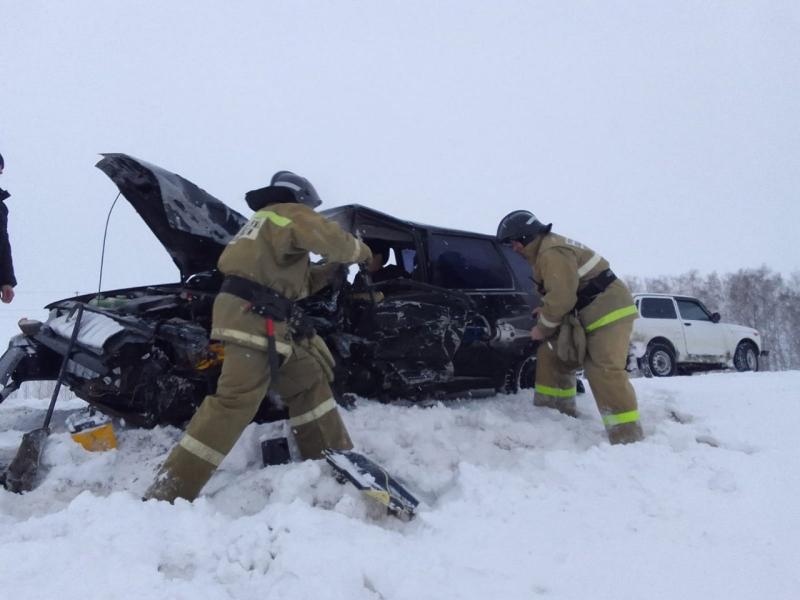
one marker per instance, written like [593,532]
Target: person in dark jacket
[7,279]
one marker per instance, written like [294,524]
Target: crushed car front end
[452,322]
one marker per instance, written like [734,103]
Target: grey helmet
[304,192]
[521,226]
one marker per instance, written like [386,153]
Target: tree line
[759,298]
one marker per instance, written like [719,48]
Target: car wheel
[522,376]
[661,360]
[746,357]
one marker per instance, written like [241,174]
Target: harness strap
[263,300]
[272,353]
[269,304]
[594,287]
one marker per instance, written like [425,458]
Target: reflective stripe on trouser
[612,317]
[604,366]
[555,383]
[313,415]
[223,416]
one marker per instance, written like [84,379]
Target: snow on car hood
[95,331]
[191,224]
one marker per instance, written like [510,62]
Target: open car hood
[192,225]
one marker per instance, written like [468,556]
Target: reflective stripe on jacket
[272,249]
[562,267]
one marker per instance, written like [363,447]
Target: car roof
[654,294]
[349,216]
[662,295]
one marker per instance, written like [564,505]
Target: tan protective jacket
[562,267]
[272,249]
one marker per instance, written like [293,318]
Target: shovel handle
[72,339]
[21,473]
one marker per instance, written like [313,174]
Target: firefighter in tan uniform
[266,268]
[576,282]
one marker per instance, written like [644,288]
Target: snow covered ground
[521,503]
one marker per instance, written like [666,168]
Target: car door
[475,265]
[659,318]
[704,338]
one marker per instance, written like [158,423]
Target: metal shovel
[21,473]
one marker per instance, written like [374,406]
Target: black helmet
[521,226]
[304,192]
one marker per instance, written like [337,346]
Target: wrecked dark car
[447,316]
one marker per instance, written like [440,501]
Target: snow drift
[520,503]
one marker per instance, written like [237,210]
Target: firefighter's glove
[319,350]
[571,342]
[326,274]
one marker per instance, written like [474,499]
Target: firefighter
[578,287]
[266,268]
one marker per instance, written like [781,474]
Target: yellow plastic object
[97,439]
[92,430]
[216,354]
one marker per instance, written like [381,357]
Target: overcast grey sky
[663,134]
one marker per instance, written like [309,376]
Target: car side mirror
[715,317]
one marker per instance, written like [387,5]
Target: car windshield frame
[693,302]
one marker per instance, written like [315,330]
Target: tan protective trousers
[221,418]
[604,366]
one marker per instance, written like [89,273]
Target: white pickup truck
[678,334]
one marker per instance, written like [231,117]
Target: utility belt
[594,287]
[263,300]
[270,304]
[273,306]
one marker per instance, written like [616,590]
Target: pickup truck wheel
[661,360]
[746,357]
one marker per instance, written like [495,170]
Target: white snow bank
[521,503]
